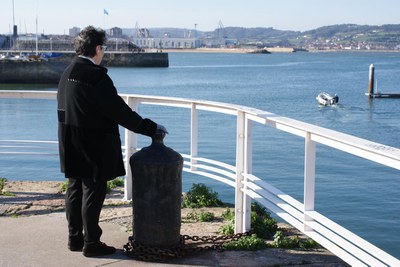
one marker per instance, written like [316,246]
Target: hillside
[334,36]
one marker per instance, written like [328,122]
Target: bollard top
[157,153]
[158,137]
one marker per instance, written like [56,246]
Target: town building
[74,31]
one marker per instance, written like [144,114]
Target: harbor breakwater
[48,71]
[129,59]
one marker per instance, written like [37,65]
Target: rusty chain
[204,243]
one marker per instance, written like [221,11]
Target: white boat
[326,99]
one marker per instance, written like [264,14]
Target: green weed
[251,243]
[2,192]
[200,196]
[202,216]
[281,241]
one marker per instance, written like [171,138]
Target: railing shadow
[31,203]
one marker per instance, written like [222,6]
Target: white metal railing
[303,216]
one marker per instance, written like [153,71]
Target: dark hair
[87,40]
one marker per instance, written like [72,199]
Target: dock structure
[49,71]
[371,82]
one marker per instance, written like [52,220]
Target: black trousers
[83,203]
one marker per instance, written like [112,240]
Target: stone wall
[49,71]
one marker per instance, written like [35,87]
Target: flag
[105,12]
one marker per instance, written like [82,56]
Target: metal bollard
[156,194]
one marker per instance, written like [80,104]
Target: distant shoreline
[225,50]
[200,50]
[273,50]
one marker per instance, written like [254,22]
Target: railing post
[194,134]
[239,194]
[309,179]
[130,148]
[248,169]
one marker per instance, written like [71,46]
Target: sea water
[359,195]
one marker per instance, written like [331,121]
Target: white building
[74,31]
[165,42]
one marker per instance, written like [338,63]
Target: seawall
[25,72]
[129,59]
[49,71]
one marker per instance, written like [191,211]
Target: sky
[57,17]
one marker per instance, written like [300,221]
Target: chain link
[204,243]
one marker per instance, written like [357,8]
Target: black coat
[89,112]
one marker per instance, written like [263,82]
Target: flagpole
[14,37]
[37,41]
[105,12]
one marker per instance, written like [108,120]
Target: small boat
[326,99]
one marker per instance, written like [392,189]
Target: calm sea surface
[361,196]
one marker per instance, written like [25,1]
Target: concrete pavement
[41,241]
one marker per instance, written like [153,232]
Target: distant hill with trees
[334,36]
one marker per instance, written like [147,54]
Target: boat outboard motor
[336,99]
